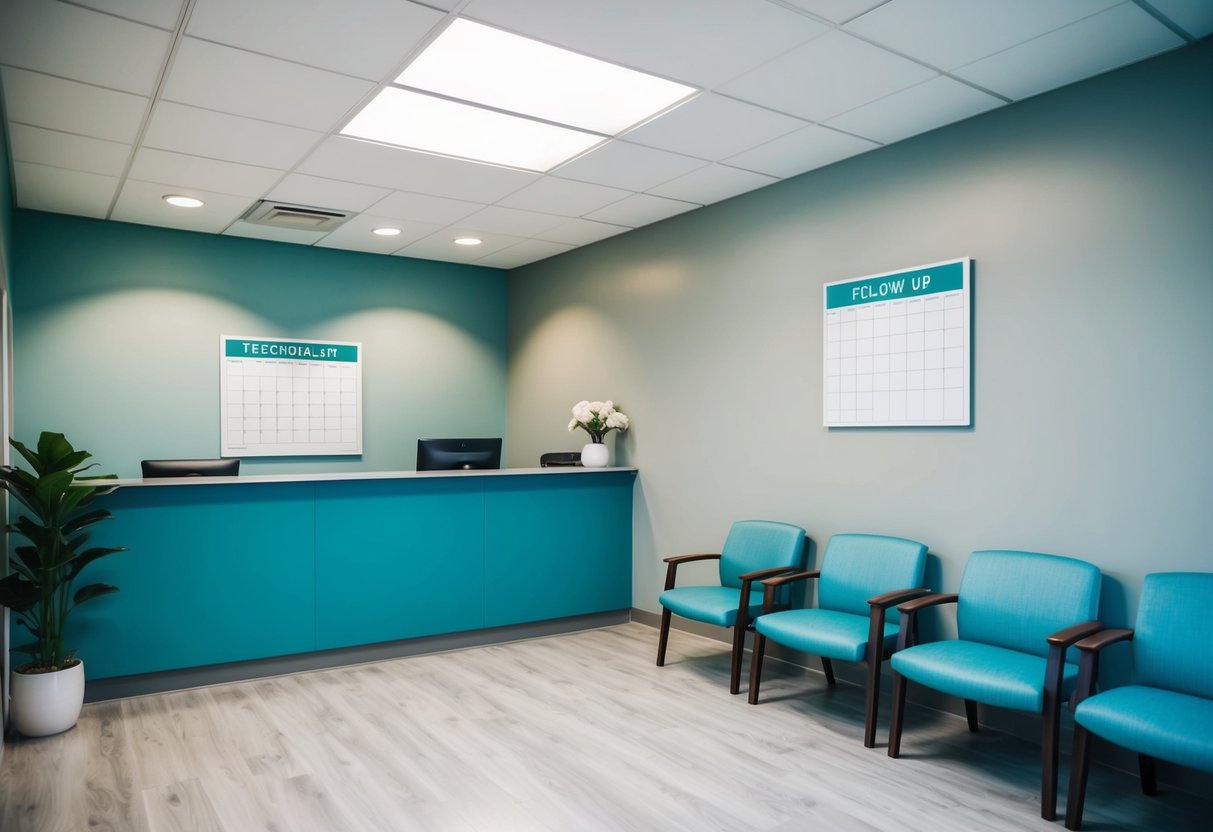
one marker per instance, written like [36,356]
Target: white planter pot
[47,703]
[595,455]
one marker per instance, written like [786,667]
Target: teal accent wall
[116,338]
[1087,211]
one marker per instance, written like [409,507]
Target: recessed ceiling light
[385,232]
[436,125]
[468,241]
[477,63]
[180,201]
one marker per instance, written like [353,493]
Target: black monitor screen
[458,454]
[190,468]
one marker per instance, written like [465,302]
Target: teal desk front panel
[557,546]
[398,558]
[214,573]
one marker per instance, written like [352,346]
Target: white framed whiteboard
[898,348]
[285,397]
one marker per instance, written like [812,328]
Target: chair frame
[1080,762]
[743,619]
[879,605]
[1058,642]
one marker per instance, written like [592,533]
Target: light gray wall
[1089,215]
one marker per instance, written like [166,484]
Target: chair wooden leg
[1149,781]
[1048,761]
[760,649]
[828,667]
[663,637]
[872,702]
[899,706]
[738,653]
[1080,764]
[971,715]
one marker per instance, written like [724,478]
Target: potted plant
[597,419]
[48,691]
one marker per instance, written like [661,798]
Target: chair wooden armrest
[1069,635]
[1088,661]
[897,596]
[908,632]
[764,574]
[771,584]
[672,562]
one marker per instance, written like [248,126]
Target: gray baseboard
[1021,725]
[120,687]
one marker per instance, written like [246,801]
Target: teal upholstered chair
[754,549]
[861,576]
[1167,713]
[1017,613]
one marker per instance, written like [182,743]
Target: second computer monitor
[458,454]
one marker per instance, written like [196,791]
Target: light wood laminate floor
[576,732]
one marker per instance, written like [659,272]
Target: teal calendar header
[296,350]
[925,280]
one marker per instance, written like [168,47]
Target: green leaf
[54,449]
[51,487]
[29,557]
[34,648]
[77,523]
[87,593]
[18,594]
[31,457]
[85,558]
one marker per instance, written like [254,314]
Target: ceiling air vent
[299,217]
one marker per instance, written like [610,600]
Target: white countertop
[355,475]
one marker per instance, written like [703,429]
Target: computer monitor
[458,454]
[154,468]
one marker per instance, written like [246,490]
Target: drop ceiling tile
[252,230]
[837,11]
[43,101]
[403,205]
[951,33]
[827,76]
[640,209]
[1097,44]
[77,43]
[1193,16]
[143,202]
[234,81]
[65,150]
[161,166]
[923,107]
[629,166]
[44,188]
[407,170]
[566,197]
[300,189]
[713,127]
[440,245]
[512,221]
[685,40]
[528,251]
[712,184]
[355,234]
[199,132]
[582,232]
[804,150]
[161,13]
[319,34]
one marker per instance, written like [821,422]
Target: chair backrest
[1173,642]
[760,544]
[1018,599]
[857,566]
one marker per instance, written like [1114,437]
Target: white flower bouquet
[597,419]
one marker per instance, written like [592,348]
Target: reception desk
[231,569]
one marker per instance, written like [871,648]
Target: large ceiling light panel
[483,94]
[478,63]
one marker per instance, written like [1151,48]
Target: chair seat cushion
[829,633]
[981,672]
[710,604]
[1159,723]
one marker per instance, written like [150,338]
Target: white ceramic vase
[47,703]
[595,455]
